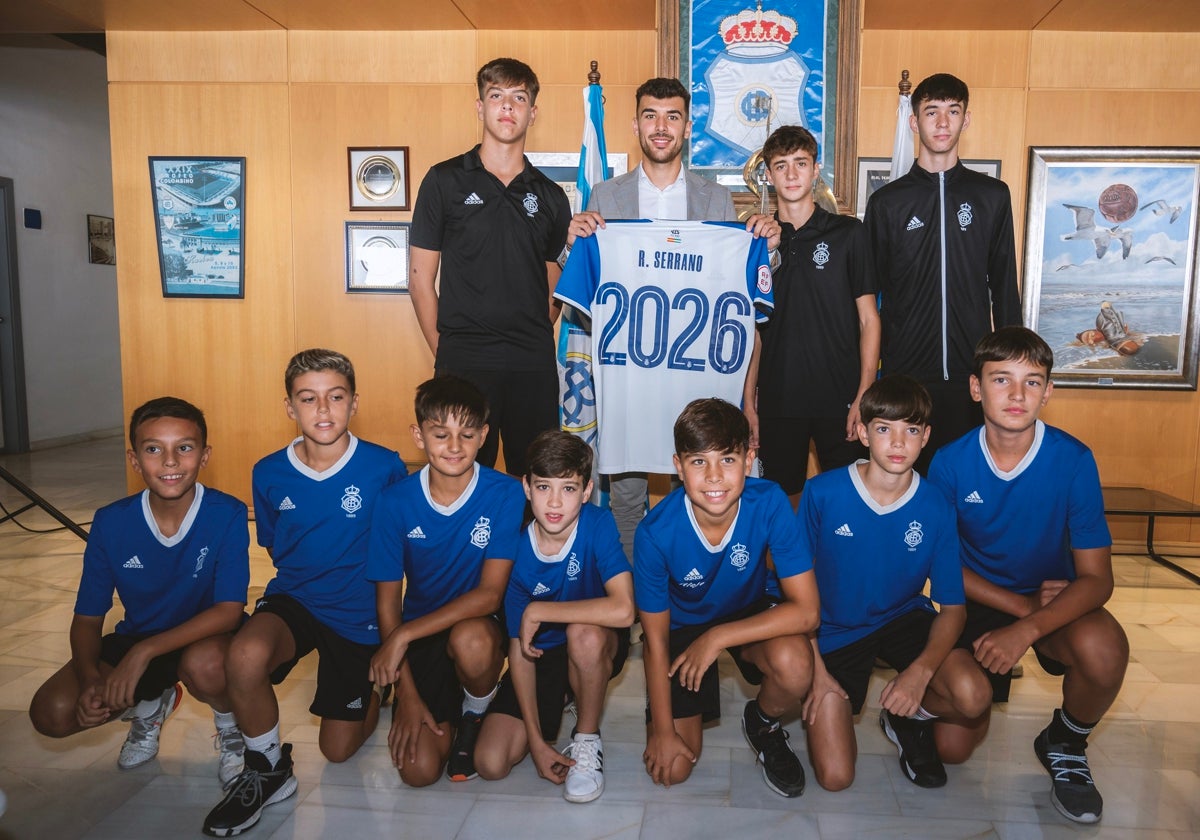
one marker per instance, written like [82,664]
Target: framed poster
[874,172]
[102,246]
[378,178]
[1110,264]
[377,257]
[563,169]
[198,207]
[786,62]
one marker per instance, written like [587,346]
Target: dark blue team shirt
[675,568]
[871,560]
[1017,529]
[591,557]
[439,550]
[316,527]
[164,581]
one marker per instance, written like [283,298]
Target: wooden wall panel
[243,57]
[393,57]
[1126,61]
[984,59]
[227,356]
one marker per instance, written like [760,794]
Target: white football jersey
[673,306]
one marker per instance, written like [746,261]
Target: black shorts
[707,701]
[983,619]
[898,643]
[343,667]
[161,673]
[436,676]
[553,686]
[783,448]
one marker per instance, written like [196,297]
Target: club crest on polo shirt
[739,556]
[200,562]
[481,533]
[914,535]
[531,204]
[573,567]
[352,502]
[821,255]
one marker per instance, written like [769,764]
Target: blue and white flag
[593,156]
[902,144]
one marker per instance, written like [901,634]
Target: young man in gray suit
[659,188]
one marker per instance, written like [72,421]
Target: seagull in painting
[1161,208]
[1085,228]
[1067,266]
[1168,259]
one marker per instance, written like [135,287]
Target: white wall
[54,144]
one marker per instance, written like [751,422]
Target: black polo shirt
[495,241]
[810,359]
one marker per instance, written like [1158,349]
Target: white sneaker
[141,745]
[585,778]
[228,742]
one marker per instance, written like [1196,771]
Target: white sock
[145,708]
[586,736]
[267,744]
[224,720]
[478,705]
[924,714]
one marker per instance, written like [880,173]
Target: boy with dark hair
[496,226]
[441,552]
[877,533]
[568,609]
[1037,560]
[945,259]
[312,505]
[703,585]
[819,351]
[177,554]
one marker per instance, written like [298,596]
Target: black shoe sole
[928,784]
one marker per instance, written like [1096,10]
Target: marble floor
[1145,755]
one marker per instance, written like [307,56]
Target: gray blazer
[706,200]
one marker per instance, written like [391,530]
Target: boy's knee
[972,694]
[1103,652]
[472,646]
[202,671]
[834,779]
[52,715]
[491,764]
[789,667]
[418,775]
[337,750]
[586,643]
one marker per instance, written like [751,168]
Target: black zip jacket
[946,266]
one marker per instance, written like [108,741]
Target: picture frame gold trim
[378,178]
[845,145]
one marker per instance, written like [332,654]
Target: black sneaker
[258,786]
[781,769]
[461,766]
[918,752]
[1072,790]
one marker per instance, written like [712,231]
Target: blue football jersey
[439,550]
[316,525]
[164,581]
[871,560]
[675,568]
[591,557]
[1017,529]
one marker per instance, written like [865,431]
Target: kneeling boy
[568,608]
[702,585]
[312,505]
[178,556]
[445,538]
[1037,556]
[877,533]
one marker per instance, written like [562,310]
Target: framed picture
[102,246]
[563,169]
[378,178]
[198,208]
[1110,264]
[874,172]
[377,257]
[749,65]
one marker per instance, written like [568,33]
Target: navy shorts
[343,667]
[161,673]
[983,619]
[436,677]
[553,686]
[898,643]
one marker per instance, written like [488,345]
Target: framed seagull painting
[1110,264]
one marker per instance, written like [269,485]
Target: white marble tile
[707,822]
[854,826]
[495,816]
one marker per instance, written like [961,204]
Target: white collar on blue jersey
[184,526]
[712,549]
[306,470]
[463,497]
[1039,432]
[563,552]
[869,500]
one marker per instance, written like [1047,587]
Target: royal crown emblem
[750,32]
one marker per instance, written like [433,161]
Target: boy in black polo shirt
[820,351]
[496,225]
